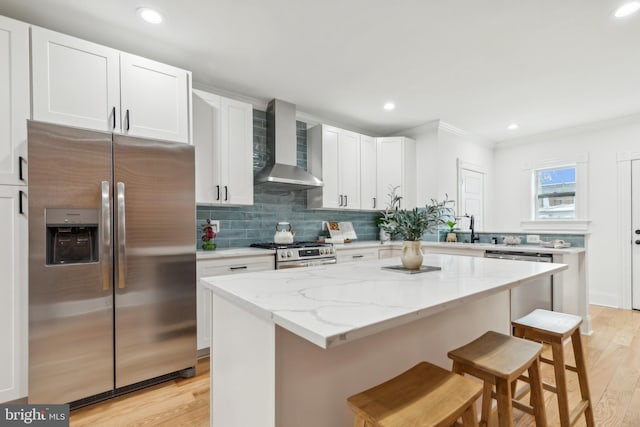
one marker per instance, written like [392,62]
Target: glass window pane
[555,192]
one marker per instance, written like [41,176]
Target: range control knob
[289,254]
[323,251]
[282,255]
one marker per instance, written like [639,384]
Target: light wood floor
[613,357]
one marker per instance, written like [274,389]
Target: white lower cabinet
[356,254]
[13,292]
[221,267]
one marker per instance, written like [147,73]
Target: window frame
[581,221]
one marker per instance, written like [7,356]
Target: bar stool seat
[424,396]
[499,360]
[553,328]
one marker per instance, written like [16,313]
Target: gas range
[300,254]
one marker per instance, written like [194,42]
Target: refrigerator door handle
[122,239]
[105,241]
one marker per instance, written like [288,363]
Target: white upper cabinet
[334,156]
[154,99]
[349,175]
[13,292]
[79,83]
[75,82]
[396,160]
[368,173]
[14,100]
[223,139]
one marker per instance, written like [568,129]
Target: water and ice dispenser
[72,236]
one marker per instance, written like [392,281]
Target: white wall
[601,142]
[438,148]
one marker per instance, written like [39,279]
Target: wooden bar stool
[499,360]
[425,396]
[553,328]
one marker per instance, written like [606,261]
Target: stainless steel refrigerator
[112,281]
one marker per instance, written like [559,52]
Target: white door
[13,293]
[349,174]
[330,189]
[471,196]
[368,196]
[236,160]
[14,100]
[155,99]
[75,82]
[635,226]
[390,170]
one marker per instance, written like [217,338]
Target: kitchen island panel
[313,384]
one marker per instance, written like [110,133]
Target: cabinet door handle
[217,192]
[340,204]
[358,256]
[346,201]
[20,206]
[240,267]
[21,160]
[113,119]
[127,119]
[226,193]
[374,203]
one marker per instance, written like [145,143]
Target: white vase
[384,236]
[411,255]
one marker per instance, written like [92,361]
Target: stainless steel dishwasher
[529,296]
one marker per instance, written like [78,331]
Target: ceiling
[476,65]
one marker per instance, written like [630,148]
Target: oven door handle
[311,263]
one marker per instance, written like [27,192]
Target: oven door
[305,263]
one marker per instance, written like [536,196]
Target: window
[556,196]
[555,193]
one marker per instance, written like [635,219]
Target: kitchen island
[289,346]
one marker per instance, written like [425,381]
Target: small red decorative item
[208,234]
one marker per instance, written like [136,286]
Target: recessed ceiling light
[389,106]
[513,126]
[627,9]
[149,15]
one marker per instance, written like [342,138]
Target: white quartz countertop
[476,246]
[233,252]
[330,305]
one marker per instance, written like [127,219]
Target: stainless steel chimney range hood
[281,173]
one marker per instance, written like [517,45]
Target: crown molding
[572,130]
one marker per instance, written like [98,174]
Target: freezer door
[155,288]
[70,292]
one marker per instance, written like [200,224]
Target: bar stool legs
[553,328]
[499,360]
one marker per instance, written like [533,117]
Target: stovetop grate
[294,245]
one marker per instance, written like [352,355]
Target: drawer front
[353,255]
[206,268]
[389,253]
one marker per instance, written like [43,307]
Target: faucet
[472,223]
[474,236]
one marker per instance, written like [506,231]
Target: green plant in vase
[451,235]
[412,224]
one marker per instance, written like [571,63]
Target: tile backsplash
[242,225]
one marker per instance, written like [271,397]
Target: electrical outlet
[216,225]
[533,238]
